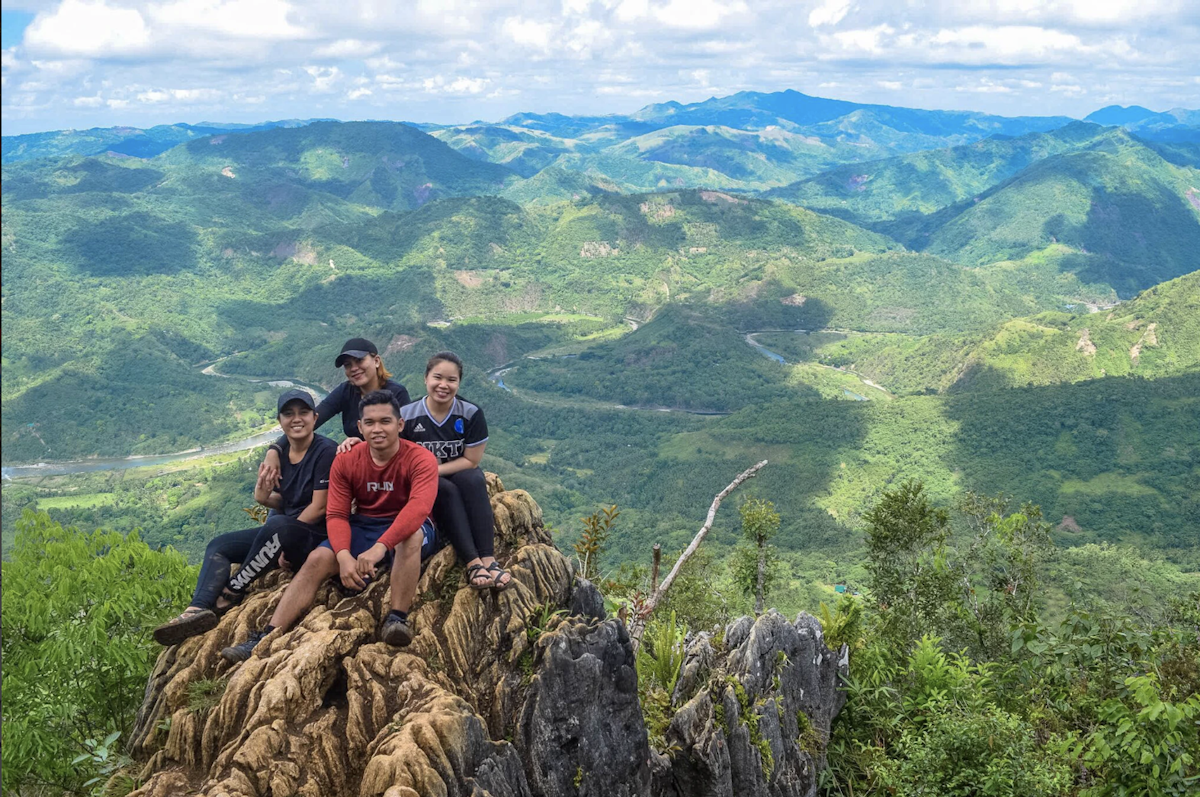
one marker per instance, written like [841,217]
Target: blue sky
[84,63]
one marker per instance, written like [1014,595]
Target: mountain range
[944,270]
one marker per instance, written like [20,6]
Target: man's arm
[337,506]
[423,485]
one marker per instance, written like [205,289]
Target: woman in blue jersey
[455,431]
[364,372]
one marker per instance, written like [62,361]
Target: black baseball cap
[356,348]
[296,394]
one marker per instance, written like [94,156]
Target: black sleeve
[400,392]
[330,405]
[277,445]
[321,469]
[476,431]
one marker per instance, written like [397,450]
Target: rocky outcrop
[531,692]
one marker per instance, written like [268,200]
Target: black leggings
[258,550]
[463,514]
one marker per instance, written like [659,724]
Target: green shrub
[77,613]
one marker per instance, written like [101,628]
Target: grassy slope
[1121,208]
[1156,334]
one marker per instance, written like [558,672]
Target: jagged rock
[761,726]
[530,692]
[582,726]
[698,657]
[586,601]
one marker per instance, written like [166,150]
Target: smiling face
[441,383]
[380,427]
[362,372]
[297,420]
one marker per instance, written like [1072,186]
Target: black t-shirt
[344,400]
[462,428]
[297,482]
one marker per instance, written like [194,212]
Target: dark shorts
[366,531]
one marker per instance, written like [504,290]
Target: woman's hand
[347,444]
[268,471]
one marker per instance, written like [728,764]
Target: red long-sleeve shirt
[404,488]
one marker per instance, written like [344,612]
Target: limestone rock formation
[531,692]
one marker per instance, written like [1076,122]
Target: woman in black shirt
[364,372]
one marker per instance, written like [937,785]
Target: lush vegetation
[911,185]
[957,686]
[77,611]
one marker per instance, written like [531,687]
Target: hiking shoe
[396,632]
[242,652]
[185,626]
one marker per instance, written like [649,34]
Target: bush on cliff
[76,614]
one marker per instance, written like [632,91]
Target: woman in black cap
[364,372]
[290,534]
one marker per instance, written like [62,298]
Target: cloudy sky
[84,63]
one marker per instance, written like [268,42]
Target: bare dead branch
[638,624]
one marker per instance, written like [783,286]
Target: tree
[910,577]
[756,565]
[999,572]
[76,615]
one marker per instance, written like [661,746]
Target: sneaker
[189,624]
[242,652]
[396,632]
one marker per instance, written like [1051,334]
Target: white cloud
[358,94]
[528,33]
[248,19]
[347,48]
[867,40]
[460,85]
[448,60]
[1009,41]
[88,28]
[630,10]
[324,77]
[830,12]
[697,14]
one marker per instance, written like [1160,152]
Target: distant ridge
[121,140]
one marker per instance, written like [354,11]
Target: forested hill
[265,241]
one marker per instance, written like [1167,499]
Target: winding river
[496,375]
[752,339]
[150,460]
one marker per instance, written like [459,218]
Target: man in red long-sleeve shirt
[394,483]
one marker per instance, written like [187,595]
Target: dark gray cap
[356,348]
[296,394]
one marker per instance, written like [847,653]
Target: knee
[409,547]
[472,478]
[319,564]
[446,487]
[215,547]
